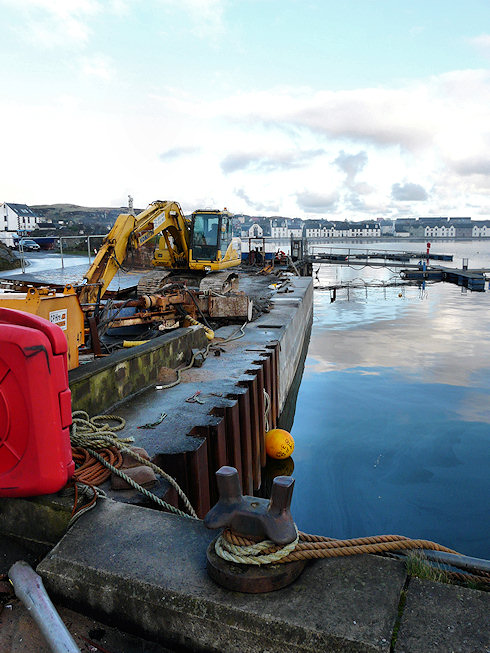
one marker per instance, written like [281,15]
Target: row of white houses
[277,229]
[480,229]
[284,228]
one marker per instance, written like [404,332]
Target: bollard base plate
[252,579]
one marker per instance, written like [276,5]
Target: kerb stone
[146,570]
[444,618]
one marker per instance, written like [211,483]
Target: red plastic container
[35,406]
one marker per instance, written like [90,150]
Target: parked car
[28,245]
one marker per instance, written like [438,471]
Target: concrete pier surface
[146,572]
[216,415]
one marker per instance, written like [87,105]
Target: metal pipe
[61,252]
[30,590]
[460,561]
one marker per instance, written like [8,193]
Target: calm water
[392,423]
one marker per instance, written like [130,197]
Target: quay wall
[101,385]
[291,343]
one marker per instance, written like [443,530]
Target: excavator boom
[131,232]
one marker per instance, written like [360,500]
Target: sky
[351,109]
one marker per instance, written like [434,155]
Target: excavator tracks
[219,282]
[214,282]
[150,282]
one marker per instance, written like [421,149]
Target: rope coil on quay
[88,434]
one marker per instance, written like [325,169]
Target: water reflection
[391,424]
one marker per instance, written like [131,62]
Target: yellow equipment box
[62,309]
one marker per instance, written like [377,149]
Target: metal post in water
[61,252]
[30,590]
[88,250]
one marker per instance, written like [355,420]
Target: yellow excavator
[202,243]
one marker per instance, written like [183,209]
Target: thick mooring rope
[258,553]
[307,547]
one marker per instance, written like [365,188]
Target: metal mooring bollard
[258,519]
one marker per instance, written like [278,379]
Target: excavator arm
[131,232]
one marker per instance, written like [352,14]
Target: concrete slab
[147,570]
[444,619]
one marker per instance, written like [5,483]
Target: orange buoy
[279,443]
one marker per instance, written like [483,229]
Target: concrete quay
[145,571]
[225,424]
[223,428]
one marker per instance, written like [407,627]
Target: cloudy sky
[310,108]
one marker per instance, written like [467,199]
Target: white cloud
[317,202]
[207,16]
[481,43]
[55,22]
[296,152]
[97,65]
[268,161]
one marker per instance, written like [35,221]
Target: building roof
[313,224]
[436,220]
[21,209]
[279,222]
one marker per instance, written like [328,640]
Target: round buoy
[400,294]
[279,443]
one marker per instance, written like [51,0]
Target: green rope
[141,489]
[252,555]
[88,433]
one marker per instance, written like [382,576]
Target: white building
[440,231]
[314,229]
[481,229]
[251,231]
[364,230]
[295,228]
[15,218]
[279,228]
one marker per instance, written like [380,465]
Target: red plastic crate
[35,406]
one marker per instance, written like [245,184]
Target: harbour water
[392,423]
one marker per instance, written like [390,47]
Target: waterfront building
[15,219]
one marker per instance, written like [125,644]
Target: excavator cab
[211,240]
[205,236]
